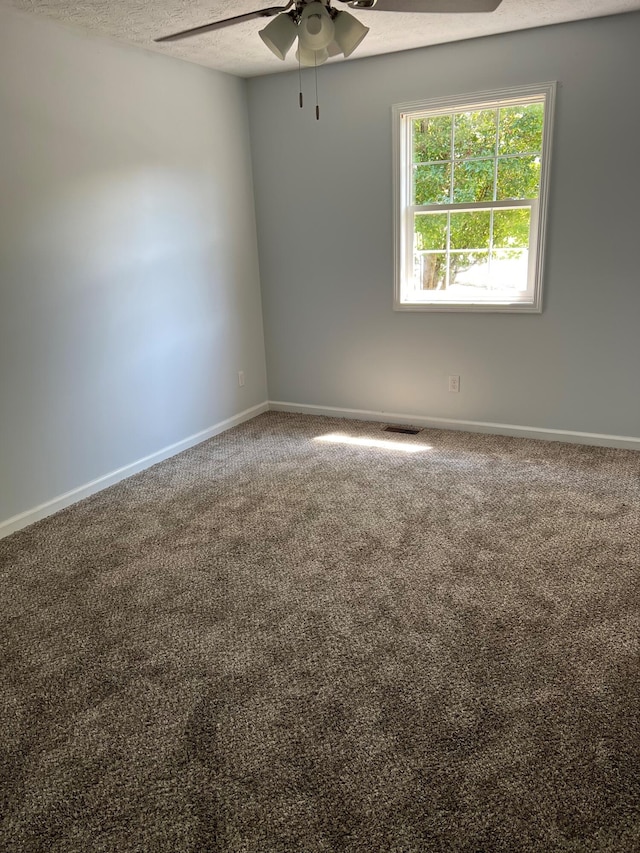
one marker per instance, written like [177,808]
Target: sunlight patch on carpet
[340,438]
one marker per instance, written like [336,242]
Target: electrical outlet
[454,384]
[241,378]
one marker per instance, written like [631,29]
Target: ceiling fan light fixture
[349,32]
[279,35]
[316,30]
[310,58]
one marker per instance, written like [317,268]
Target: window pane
[518,177]
[521,129]
[468,271]
[430,231]
[431,184]
[470,230]
[431,139]
[509,269]
[431,270]
[511,228]
[473,180]
[475,134]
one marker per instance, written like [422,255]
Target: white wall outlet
[241,378]
[454,384]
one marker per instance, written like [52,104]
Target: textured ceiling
[239,50]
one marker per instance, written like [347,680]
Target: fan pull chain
[300,78]
[315,63]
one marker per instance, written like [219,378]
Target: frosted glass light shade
[310,58]
[316,29]
[349,32]
[279,35]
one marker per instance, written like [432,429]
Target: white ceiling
[239,50]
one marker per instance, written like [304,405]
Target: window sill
[476,307]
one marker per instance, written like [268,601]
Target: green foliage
[478,175]
[518,177]
[431,231]
[432,139]
[511,228]
[475,134]
[470,230]
[521,129]
[432,184]
[473,180]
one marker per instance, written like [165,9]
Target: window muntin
[471,179]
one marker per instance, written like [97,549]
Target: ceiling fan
[322,30]
[320,27]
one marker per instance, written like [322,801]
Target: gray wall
[324,211]
[129,291]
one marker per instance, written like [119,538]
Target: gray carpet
[273,643]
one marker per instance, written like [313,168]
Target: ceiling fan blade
[226,22]
[441,6]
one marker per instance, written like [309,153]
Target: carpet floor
[295,638]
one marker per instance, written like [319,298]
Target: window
[471,176]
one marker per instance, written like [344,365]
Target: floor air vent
[405,430]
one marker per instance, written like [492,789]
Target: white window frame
[404,211]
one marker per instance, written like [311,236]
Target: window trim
[402,205]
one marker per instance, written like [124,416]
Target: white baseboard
[593,438]
[31,515]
